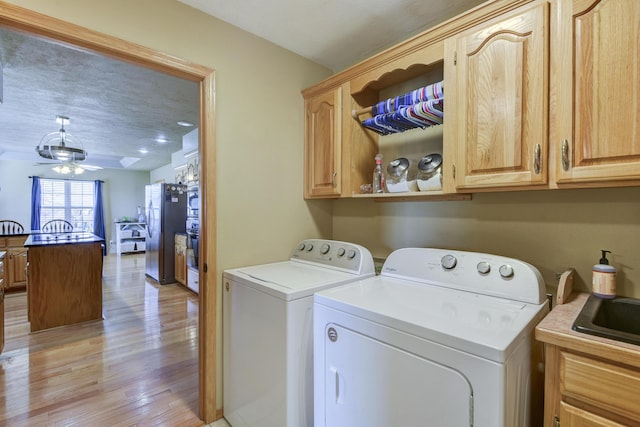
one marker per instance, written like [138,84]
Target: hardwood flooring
[138,366]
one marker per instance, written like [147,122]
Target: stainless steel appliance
[166,209]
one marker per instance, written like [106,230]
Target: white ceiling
[334,33]
[117,109]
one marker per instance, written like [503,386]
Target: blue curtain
[35,203]
[98,215]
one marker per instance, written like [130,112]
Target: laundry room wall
[259,124]
[551,229]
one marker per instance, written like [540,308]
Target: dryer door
[370,383]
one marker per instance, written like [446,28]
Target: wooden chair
[57,226]
[8,227]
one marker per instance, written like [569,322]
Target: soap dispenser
[604,277]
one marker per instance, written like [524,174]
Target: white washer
[268,331]
[440,338]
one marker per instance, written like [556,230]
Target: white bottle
[378,176]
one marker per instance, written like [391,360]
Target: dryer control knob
[484,267]
[310,247]
[351,254]
[301,247]
[506,271]
[448,262]
[324,248]
[341,252]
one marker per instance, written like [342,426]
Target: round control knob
[310,247]
[351,254]
[324,248]
[301,247]
[506,271]
[483,267]
[341,252]
[448,262]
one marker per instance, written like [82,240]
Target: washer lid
[290,280]
[483,325]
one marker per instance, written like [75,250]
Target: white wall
[162,174]
[123,191]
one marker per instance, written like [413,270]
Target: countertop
[51,239]
[555,329]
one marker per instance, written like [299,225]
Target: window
[69,200]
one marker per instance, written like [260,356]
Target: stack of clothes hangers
[420,108]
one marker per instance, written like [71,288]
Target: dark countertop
[50,239]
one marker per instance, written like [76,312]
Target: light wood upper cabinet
[323,143]
[497,97]
[597,72]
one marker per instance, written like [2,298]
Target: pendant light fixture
[61,145]
[68,168]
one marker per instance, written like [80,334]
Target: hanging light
[61,145]
[68,168]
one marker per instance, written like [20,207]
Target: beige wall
[552,229]
[259,120]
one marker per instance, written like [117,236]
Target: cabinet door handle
[537,160]
[333,178]
[565,155]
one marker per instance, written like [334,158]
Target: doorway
[20,19]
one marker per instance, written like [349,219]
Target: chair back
[8,227]
[57,226]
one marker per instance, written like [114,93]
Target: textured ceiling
[115,108]
[334,33]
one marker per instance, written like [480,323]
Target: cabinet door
[323,144]
[571,416]
[181,258]
[500,93]
[17,267]
[598,85]
[1,318]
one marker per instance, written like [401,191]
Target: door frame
[25,20]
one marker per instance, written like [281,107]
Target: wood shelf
[413,196]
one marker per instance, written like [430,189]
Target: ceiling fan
[70,168]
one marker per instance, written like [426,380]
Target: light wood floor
[136,367]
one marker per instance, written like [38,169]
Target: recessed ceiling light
[143,151]
[162,140]
[185,123]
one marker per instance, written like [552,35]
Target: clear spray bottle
[378,175]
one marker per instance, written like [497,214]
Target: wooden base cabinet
[15,261]
[65,284]
[585,391]
[181,259]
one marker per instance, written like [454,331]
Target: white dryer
[268,331]
[440,338]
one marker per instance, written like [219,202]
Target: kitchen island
[64,279]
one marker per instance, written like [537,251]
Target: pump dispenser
[604,277]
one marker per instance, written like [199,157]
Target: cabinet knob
[333,178]
[537,159]
[565,155]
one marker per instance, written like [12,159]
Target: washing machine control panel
[469,271]
[335,254]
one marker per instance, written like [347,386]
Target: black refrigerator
[166,211]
